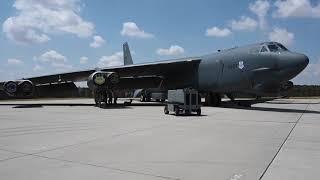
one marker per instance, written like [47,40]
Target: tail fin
[127,59]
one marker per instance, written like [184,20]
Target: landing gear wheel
[176,111]
[166,111]
[217,100]
[213,99]
[199,112]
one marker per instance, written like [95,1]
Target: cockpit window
[264,49]
[282,47]
[274,48]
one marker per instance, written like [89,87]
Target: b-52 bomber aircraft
[260,69]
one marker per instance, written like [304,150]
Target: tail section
[127,59]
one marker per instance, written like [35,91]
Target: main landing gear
[213,99]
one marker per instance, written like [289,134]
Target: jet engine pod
[113,78]
[19,88]
[102,79]
[25,87]
[10,87]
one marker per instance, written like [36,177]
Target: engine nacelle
[102,79]
[26,87]
[19,88]
[10,87]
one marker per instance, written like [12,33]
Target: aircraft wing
[163,69]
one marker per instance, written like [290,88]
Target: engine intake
[19,88]
[10,87]
[26,87]
[102,79]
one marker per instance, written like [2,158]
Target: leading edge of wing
[84,74]
[173,61]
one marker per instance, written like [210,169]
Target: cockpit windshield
[274,48]
[282,47]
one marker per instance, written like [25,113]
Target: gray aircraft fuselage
[258,69]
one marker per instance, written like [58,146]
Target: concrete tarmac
[71,139]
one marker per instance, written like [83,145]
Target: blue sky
[48,36]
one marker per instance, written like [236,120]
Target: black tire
[166,111]
[217,101]
[199,112]
[176,111]
[96,102]
[213,99]
[142,98]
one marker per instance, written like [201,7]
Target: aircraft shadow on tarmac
[117,106]
[292,103]
[269,109]
[278,110]
[113,106]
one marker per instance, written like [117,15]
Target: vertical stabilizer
[127,59]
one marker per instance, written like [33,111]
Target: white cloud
[37,67]
[282,36]
[114,60]
[244,24]
[132,30]
[54,59]
[217,32]
[97,42]
[296,8]
[84,60]
[260,8]
[52,56]
[15,62]
[172,51]
[37,19]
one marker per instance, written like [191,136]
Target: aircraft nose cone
[301,61]
[294,61]
[305,60]
[292,64]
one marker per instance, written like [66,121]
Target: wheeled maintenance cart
[183,101]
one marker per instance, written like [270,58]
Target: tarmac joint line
[285,140]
